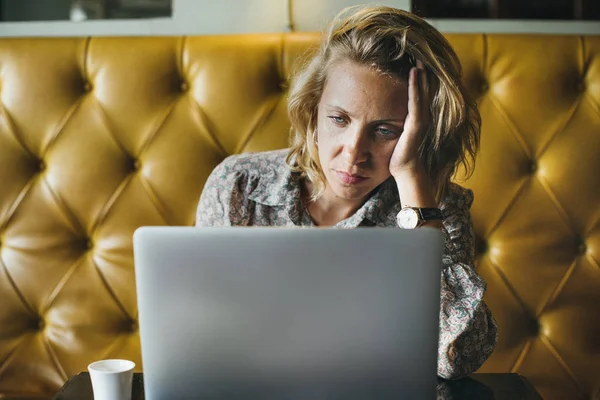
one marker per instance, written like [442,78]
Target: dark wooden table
[476,387]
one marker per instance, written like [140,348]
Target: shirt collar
[380,209]
[276,187]
[281,187]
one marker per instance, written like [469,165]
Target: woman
[380,123]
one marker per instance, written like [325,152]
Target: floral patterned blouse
[258,189]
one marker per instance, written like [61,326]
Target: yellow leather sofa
[100,136]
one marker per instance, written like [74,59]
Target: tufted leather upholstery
[100,136]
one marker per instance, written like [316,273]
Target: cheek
[322,145]
[388,150]
[383,155]
[329,139]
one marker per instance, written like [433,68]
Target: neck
[329,209]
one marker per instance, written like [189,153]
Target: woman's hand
[405,158]
[414,186]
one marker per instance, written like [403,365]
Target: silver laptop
[288,313]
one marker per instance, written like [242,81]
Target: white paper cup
[111,379]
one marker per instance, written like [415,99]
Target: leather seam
[546,341]
[554,295]
[512,128]
[154,200]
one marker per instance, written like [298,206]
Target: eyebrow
[397,121]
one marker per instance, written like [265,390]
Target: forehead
[361,89]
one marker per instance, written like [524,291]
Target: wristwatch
[413,217]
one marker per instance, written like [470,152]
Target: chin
[351,192]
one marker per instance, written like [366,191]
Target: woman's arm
[468,332]
[222,202]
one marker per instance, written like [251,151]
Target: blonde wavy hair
[389,40]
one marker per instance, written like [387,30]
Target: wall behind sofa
[195,17]
[198,17]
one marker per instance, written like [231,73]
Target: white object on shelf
[77,13]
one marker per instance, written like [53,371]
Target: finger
[424,89]
[413,92]
[423,79]
[414,100]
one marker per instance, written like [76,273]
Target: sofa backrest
[99,136]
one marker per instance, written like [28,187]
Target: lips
[349,179]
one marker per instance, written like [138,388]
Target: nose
[356,146]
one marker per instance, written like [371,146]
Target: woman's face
[360,118]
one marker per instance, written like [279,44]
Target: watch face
[408,218]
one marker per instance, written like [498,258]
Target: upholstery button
[532,167]
[536,328]
[41,324]
[581,85]
[485,86]
[481,247]
[88,244]
[184,86]
[41,166]
[581,248]
[87,87]
[135,164]
[133,325]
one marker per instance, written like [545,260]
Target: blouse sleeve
[468,332]
[223,202]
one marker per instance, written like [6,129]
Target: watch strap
[430,214]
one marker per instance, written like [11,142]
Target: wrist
[409,172]
[414,217]
[415,189]
[407,176]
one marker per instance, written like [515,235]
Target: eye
[340,121]
[387,133]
